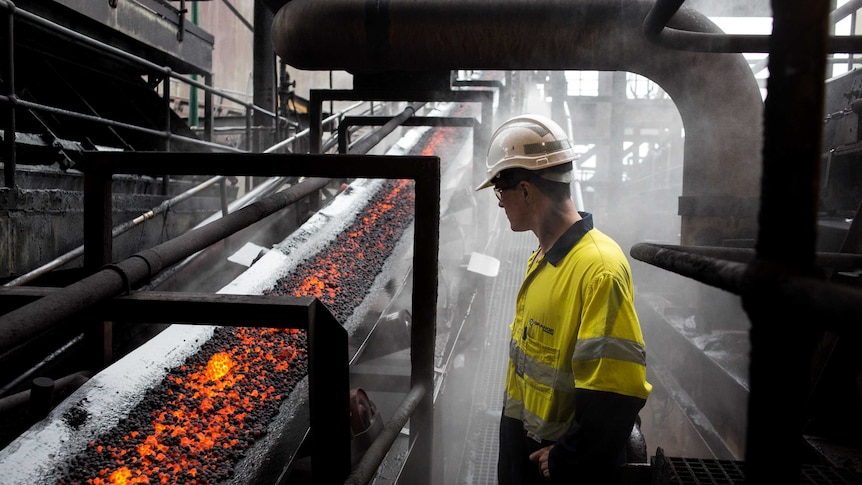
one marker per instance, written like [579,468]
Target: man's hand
[540,458]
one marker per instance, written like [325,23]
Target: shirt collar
[569,238]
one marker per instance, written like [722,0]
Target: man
[576,376]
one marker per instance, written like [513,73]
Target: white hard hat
[532,142]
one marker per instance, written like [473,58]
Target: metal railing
[330,449]
[9,14]
[262,190]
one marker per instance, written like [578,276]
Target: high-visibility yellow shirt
[575,327]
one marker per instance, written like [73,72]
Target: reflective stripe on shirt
[610,348]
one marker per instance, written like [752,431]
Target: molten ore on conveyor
[195,425]
[341,274]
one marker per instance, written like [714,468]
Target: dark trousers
[513,465]
[515,468]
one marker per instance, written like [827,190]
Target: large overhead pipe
[717,95]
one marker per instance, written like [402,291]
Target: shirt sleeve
[596,442]
[609,354]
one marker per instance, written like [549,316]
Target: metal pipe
[7,64]
[35,19]
[261,190]
[605,35]
[193,91]
[166,104]
[238,15]
[726,275]
[364,471]
[117,124]
[119,229]
[368,142]
[61,387]
[656,28]
[258,192]
[25,323]
[306,131]
[248,123]
[209,117]
[36,368]
[838,308]
[845,10]
[41,396]
[826,260]
[181,21]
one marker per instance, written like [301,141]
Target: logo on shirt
[547,330]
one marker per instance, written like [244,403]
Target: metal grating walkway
[475,462]
[479,460]
[694,471]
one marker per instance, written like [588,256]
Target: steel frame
[348,121]
[783,292]
[328,370]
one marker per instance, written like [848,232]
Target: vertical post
[315,118]
[343,137]
[97,220]
[193,90]
[208,108]
[264,75]
[481,139]
[193,102]
[98,247]
[782,341]
[556,88]
[166,98]
[423,331]
[181,20]
[166,102]
[249,113]
[7,64]
[617,139]
[41,397]
[223,190]
[329,396]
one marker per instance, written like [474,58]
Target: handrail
[238,15]
[306,131]
[327,369]
[117,230]
[7,70]
[14,12]
[655,28]
[14,101]
[27,322]
[261,191]
[330,455]
[42,22]
[364,471]
[839,307]
[367,143]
